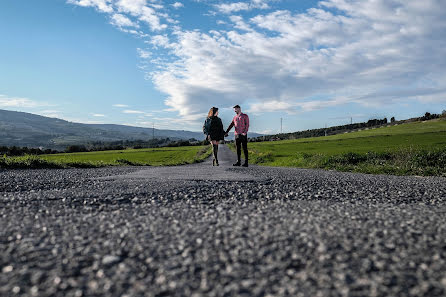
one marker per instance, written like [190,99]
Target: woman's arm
[205,129]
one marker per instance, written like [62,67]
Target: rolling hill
[26,129]
[30,130]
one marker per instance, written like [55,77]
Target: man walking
[241,124]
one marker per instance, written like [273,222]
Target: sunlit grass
[400,149]
[133,157]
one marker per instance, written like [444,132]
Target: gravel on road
[198,230]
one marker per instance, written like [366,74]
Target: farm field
[137,157]
[412,148]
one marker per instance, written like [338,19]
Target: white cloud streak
[10,102]
[130,111]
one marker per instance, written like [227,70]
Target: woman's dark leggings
[215,151]
[241,140]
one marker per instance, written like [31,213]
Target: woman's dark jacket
[213,127]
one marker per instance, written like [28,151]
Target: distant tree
[392,120]
[76,149]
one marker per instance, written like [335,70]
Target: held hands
[226,134]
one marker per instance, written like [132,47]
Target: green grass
[134,157]
[417,148]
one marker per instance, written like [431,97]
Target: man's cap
[237,106]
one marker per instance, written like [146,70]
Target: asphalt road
[199,230]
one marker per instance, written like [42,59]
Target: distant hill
[30,130]
[26,129]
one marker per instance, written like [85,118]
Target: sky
[167,62]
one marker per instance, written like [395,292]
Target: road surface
[199,230]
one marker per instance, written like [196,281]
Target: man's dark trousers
[241,140]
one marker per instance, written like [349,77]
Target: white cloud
[241,6]
[239,23]
[370,52]
[272,106]
[370,47]
[120,105]
[120,20]
[232,7]
[130,111]
[99,115]
[8,102]
[101,5]
[296,107]
[140,9]
[150,16]
[178,5]
[134,7]
[160,40]
[50,113]
[144,54]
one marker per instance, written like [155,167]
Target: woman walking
[213,128]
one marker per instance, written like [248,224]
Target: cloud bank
[367,52]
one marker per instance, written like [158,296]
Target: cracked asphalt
[199,230]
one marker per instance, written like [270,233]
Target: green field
[136,157]
[413,148]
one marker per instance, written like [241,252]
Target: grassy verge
[139,157]
[406,161]
[408,149]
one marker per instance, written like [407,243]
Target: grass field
[135,157]
[417,148]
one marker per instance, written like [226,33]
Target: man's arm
[246,119]
[230,127]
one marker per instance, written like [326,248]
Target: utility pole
[281,120]
[351,120]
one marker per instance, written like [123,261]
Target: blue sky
[139,62]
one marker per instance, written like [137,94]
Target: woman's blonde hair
[212,112]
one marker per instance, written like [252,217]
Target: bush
[28,161]
[127,162]
[76,149]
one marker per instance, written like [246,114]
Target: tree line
[131,144]
[101,146]
[21,151]
[373,123]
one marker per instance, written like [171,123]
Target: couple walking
[213,128]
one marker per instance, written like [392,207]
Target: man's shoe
[216,162]
[245,164]
[236,164]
